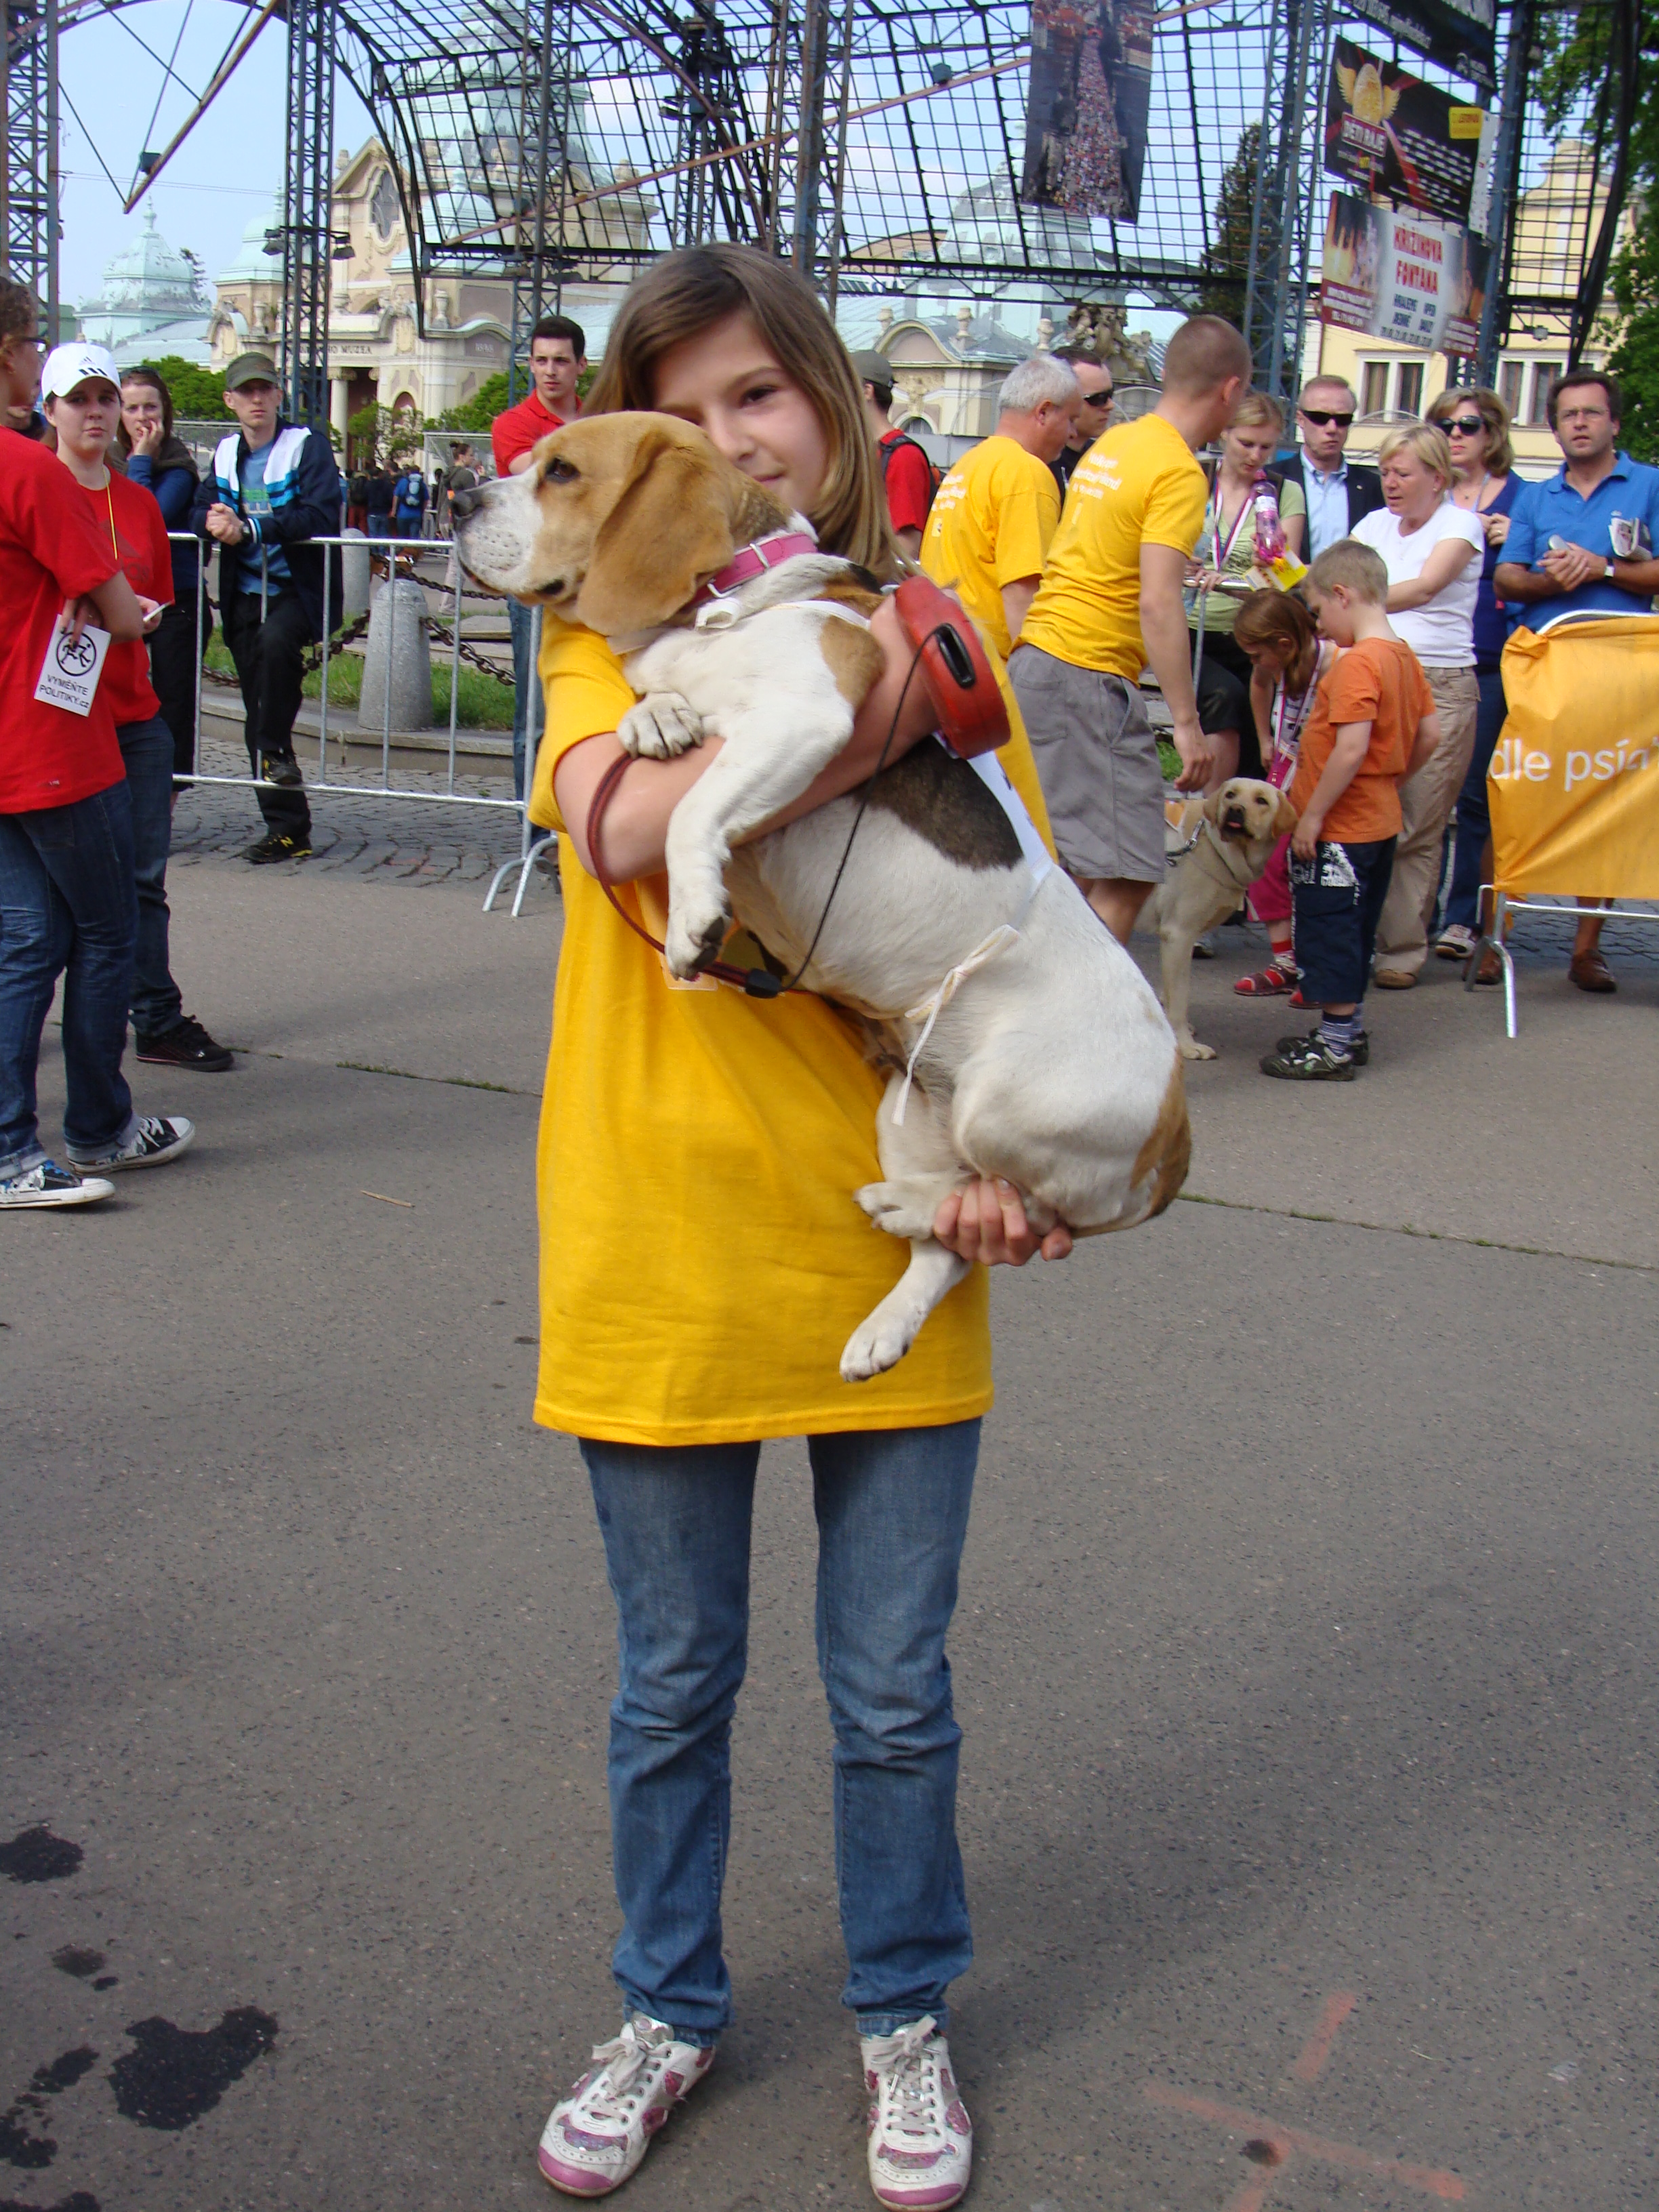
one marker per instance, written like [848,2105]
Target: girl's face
[1270,660]
[1250,447]
[141,404]
[85,418]
[729,382]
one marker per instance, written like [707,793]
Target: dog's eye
[559,471]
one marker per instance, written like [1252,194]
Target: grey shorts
[1097,759]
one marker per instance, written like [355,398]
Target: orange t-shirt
[1379,681]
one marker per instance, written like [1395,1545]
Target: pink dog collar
[754,560]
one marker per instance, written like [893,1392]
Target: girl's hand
[151,611]
[145,438]
[987,1222]
[1304,838]
[1205,579]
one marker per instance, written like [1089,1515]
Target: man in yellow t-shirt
[988,535]
[1109,603]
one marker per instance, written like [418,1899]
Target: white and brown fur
[1053,1066]
[1237,829]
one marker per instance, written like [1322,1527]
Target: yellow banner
[1574,783]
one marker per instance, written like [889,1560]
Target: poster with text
[1460,35]
[1090,96]
[1405,277]
[1388,131]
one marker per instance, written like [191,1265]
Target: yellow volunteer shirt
[991,524]
[1137,485]
[702,1260]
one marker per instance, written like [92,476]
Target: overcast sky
[226,172]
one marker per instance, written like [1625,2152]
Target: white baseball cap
[70,365]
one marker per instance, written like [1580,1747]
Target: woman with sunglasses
[1477,427]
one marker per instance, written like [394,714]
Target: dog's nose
[467,500]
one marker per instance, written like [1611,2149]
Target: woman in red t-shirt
[84,419]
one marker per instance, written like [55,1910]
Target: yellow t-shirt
[702,1260]
[991,524]
[1137,485]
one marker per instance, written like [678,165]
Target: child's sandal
[1272,981]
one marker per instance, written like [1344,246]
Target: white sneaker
[153,1141]
[47,1184]
[598,2135]
[1454,942]
[922,2140]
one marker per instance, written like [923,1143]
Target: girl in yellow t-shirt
[702,1262]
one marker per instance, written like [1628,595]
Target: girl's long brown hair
[686,293]
[1280,620]
[152,380]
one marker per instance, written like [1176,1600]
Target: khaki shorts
[1097,762]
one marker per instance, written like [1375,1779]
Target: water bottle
[1269,530]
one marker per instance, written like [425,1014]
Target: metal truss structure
[876,144]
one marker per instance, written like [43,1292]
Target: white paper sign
[69,673]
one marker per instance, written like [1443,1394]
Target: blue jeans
[892,1515]
[148,749]
[67,908]
[521,621]
[1473,815]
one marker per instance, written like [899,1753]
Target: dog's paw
[1192,1049]
[896,1210]
[662,725]
[694,938]
[875,1346]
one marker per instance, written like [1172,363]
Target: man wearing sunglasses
[1338,491]
[1094,414]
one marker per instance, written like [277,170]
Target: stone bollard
[354,575]
[403,641]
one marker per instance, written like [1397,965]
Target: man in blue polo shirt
[1558,558]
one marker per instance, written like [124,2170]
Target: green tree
[199,394]
[1635,357]
[480,411]
[1227,264]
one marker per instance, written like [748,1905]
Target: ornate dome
[149,282]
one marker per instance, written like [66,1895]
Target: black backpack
[935,474]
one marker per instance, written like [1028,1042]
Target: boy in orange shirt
[1373,724]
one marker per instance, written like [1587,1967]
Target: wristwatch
[1610,572]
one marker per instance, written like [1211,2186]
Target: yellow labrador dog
[1228,841]
[1022,1039]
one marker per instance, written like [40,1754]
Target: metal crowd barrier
[532,841]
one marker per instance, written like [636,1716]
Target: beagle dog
[1219,848]
[1022,1040]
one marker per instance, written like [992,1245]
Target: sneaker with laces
[152,1144]
[277,845]
[1454,942]
[1308,1060]
[282,769]
[922,2140]
[598,2135]
[187,1044]
[1359,1053]
[47,1184]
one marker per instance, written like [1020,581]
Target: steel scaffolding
[28,178]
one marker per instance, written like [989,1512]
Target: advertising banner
[1090,96]
[1404,278]
[1460,35]
[1388,131]
[1574,783]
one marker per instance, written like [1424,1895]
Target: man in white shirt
[1338,491]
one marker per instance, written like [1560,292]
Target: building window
[383,207]
[1543,375]
[1508,386]
[1408,392]
[1374,387]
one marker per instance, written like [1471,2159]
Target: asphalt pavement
[1304,1651]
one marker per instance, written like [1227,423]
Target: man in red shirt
[66,880]
[907,474]
[558,355]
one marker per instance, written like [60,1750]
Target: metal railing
[397,557]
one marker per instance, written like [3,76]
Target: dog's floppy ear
[1212,808]
[671,529]
[1286,816]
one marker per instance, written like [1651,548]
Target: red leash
[972,719]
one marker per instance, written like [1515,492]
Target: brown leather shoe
[1395,979]
[1590,972]
[1491,970]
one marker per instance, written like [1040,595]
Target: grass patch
[1169,759]
[484,704]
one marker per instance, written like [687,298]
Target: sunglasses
[1098,398]
[1470,425]
[1324,418]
